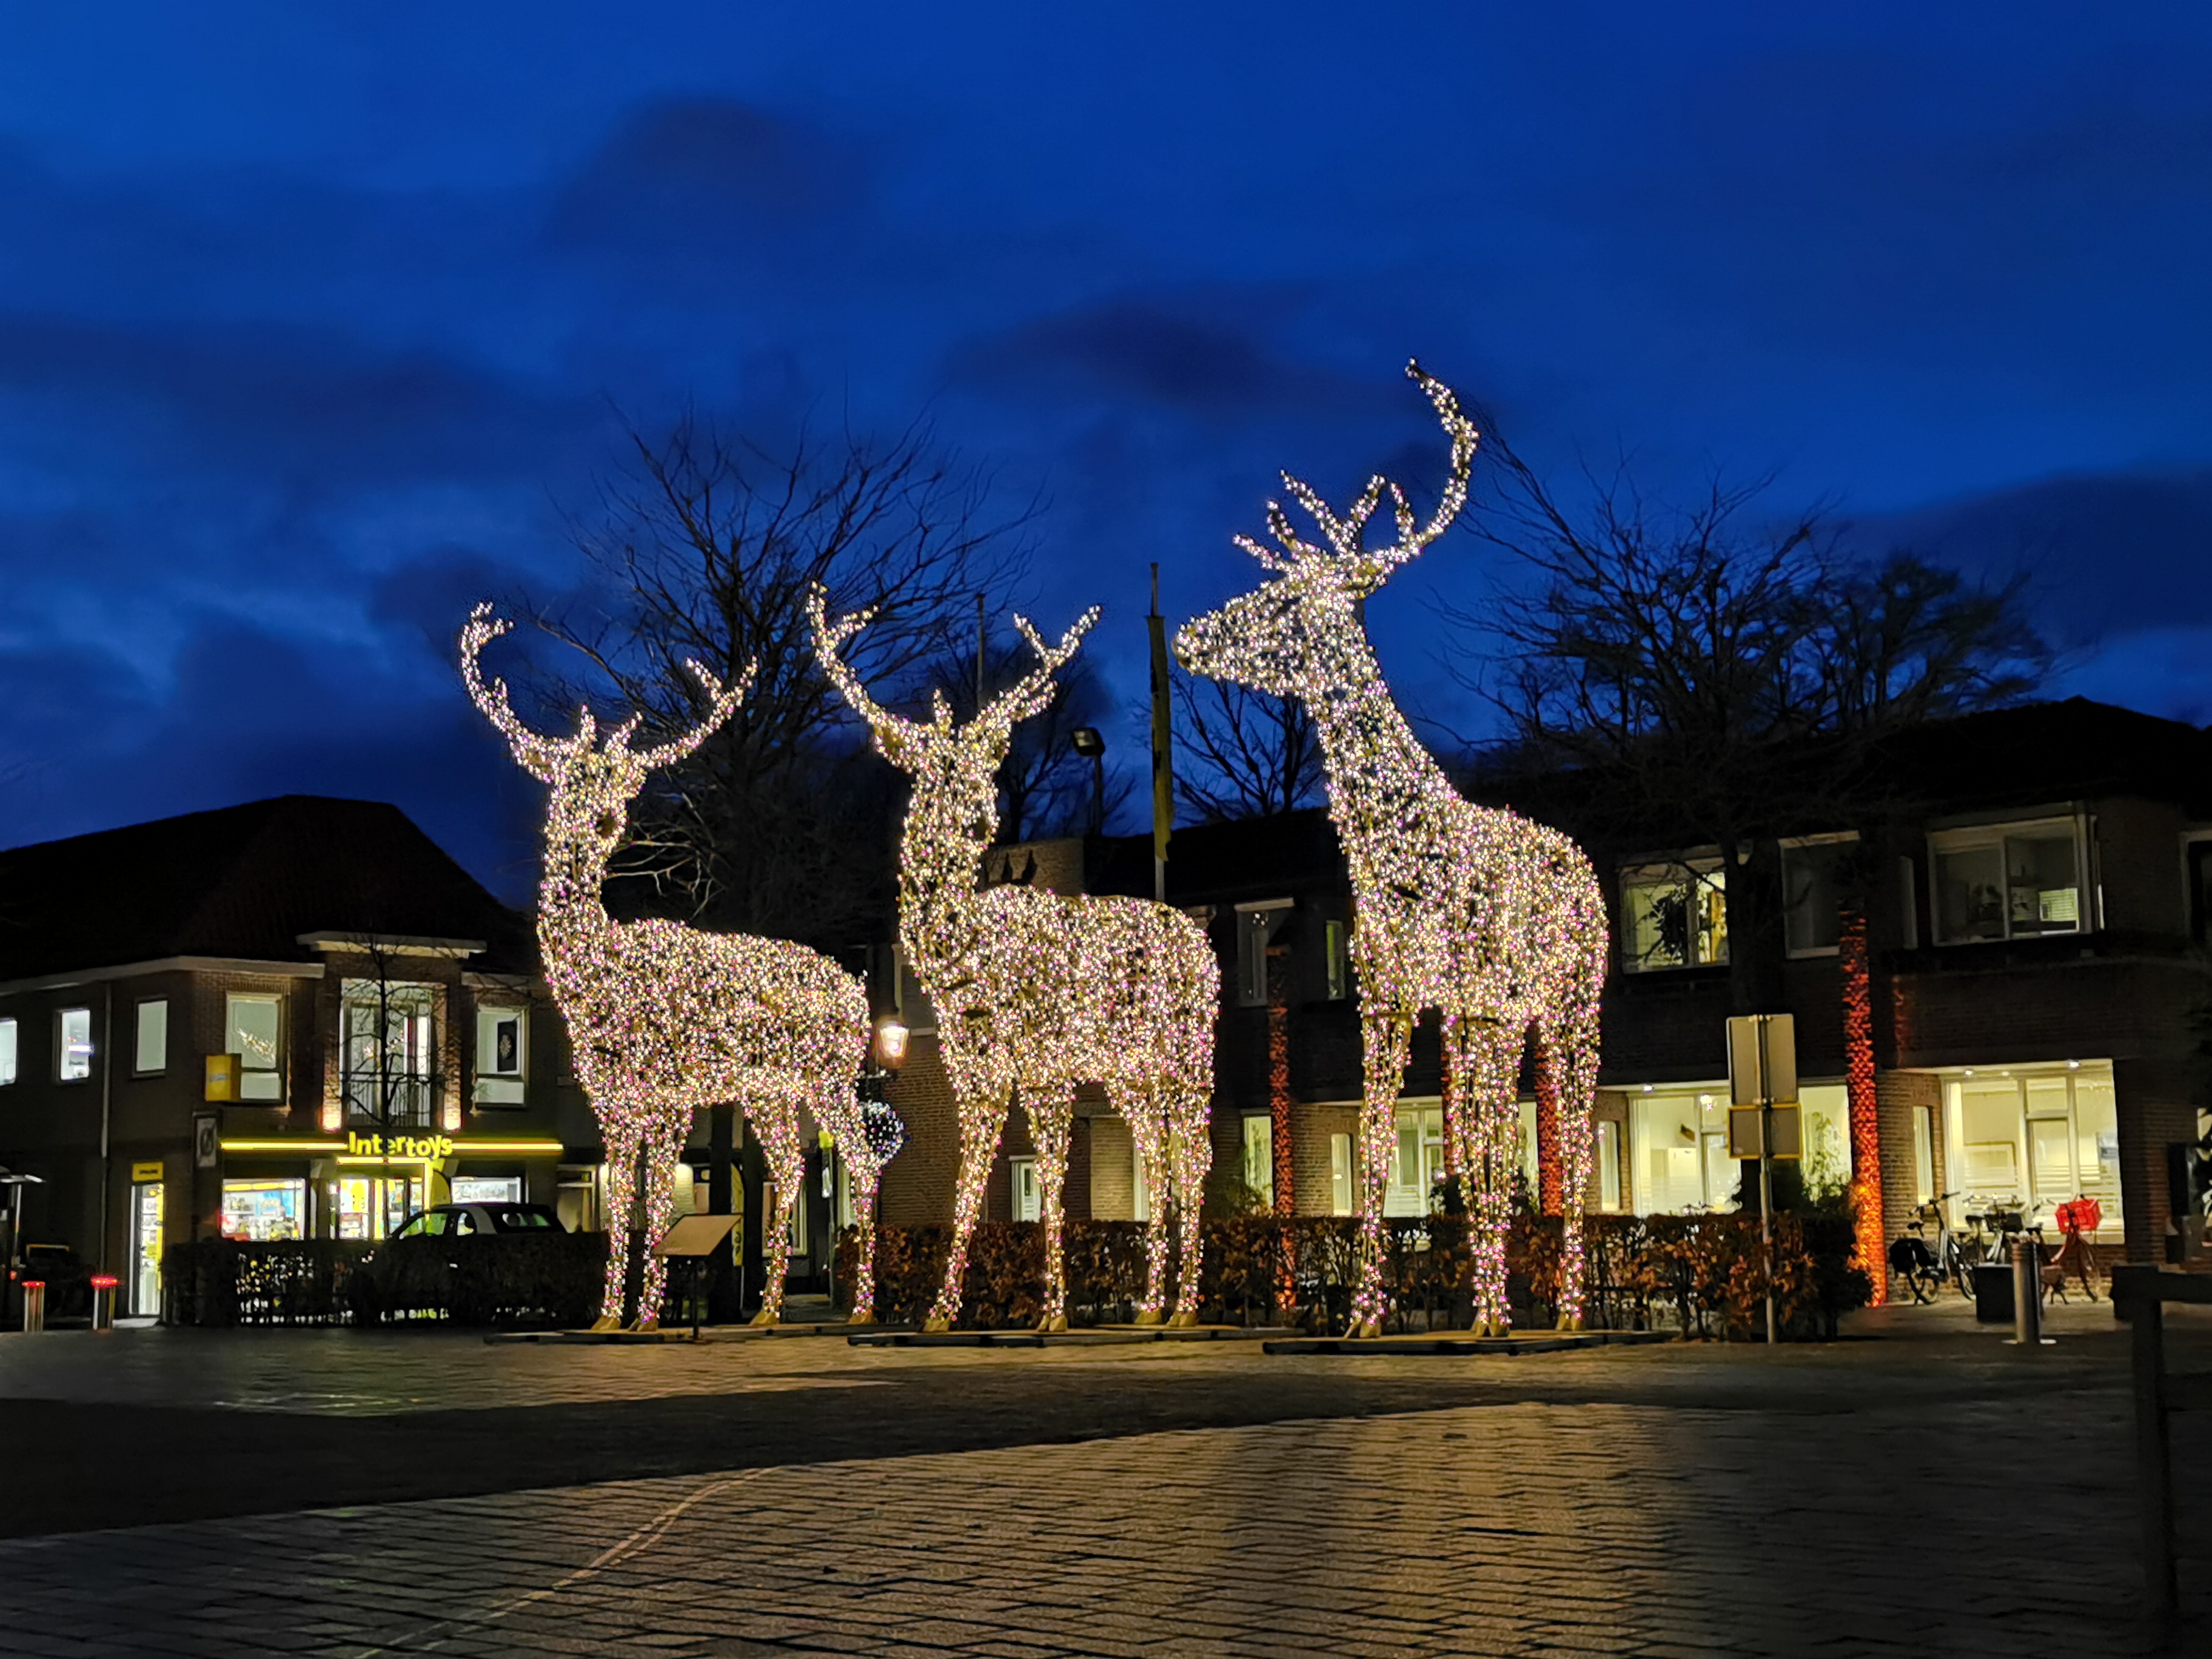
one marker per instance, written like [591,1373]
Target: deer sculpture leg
[1051,1109]
[1388,1036]
[1494,1056]
[663,1144]
[1570,1045]
[778,1129]
[620,1197]
[1146,1128]
[982,1119]
[861,1172]
[1193,1152]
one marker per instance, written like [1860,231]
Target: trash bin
[1993,1302]
[103,1302]
[34,1304]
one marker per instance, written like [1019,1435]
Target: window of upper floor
[2000,881]
[254,1027]
[1812,892]
[1336,960]
[1257,924]
[73,1044]
[6,1051]
[150,1048]
[502,1055]
[1674,914]
[388,1053]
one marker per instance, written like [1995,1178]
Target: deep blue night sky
[310,329]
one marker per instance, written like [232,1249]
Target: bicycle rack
[2139,1295]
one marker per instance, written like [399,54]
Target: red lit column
[1858,1079]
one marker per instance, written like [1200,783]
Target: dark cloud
[1144,351]
[2106,555]
[701,173]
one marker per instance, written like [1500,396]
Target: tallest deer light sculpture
[1492,920]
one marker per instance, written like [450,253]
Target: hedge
[550,1278]
[1702,1275]
[292,1281]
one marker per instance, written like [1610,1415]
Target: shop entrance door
[146,1248]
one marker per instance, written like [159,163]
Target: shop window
[2007,881]
[487,1189]
[374,1205]
[1609,1166]
[1339,1175]
[259,1211]
[1023,1188]
[1336,961]
[6,1051]
[502,1051]
[152,1048]
[1256,924]
[1924,1155]
[388,1053]
[1812,892]
[1677,1144]
[1259,1162]
[1526,1150]
[1824,1127]
[1674,916]
[254,1031]
[575,1197]
[2031,1140]
[1419,1160]
[1140,1190]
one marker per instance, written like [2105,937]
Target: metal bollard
[2026,1294]
[103,1302]
[34,1304]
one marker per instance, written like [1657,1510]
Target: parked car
[461,1220]
[67,1277]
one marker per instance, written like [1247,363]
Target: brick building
[2036,931]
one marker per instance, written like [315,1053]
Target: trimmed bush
[292,1281]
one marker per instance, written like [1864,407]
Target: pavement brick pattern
[1518,1528]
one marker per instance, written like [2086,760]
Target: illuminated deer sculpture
[1493,921]
[1039,991]
[664,1019]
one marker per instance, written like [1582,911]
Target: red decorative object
[1858,1082]
[2080,1215]
[104,1282]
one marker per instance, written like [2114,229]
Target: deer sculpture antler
[542,756]
[1343,535]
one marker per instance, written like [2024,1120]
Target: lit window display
[372,1207]
[1674,916]
[1678,1149]
[1258,1161]
[2007,881]
[487,1189]
[390,1052]
[259,1211]
[6,1051]
[2031,1138]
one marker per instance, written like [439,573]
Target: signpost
[1763,1116]
[695,1239]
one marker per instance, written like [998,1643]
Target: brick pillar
[1551,1190]
[1859,1087]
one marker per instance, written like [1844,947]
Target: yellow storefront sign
[143,1172]
[415,1146]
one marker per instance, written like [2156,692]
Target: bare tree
[779,825]
[1736,675]
[1241,753]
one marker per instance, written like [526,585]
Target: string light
[1495,922]
[1039,991]
[1860,1091]
[664,1019]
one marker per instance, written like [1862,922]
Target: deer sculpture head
[1289,635]
[593,778]
[954,765]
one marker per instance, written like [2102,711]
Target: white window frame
[11,1049]
[248,1071]
[139,1033]
[1256,924]
[1790,844]
[1024,1190]
[2088,900]
[62,1071]
[501,1089]
[1687,870]
[1258,1165]
[409,1008]
[1611,1199]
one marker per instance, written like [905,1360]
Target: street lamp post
[1091,743]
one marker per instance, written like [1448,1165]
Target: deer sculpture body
[1493,921]
[1042,992]
[664,1019]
